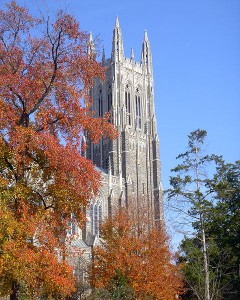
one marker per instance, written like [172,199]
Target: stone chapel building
[130,165]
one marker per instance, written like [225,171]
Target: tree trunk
[15,292]
[205,260]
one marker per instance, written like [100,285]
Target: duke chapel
[130,165]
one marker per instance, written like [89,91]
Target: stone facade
[130,165]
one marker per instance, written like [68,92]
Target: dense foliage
[210,203]
[134,259]
[45,76]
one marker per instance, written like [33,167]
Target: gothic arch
[128,101]
[138,107]
[109,96]
[96,216]
[100,101]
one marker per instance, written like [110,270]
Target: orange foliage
[28,255]
[45,76]
[140,254]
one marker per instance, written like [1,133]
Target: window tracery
[138,109]
[95,218]
[128,104]
[109,98]
[100,103]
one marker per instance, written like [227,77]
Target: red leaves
[14,19]
[28,253]
[44,178]
[66,24]
[143,258]
[42,82]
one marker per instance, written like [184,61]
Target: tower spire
[91,47]
[132,54]
[103,57]
[117,22]
[145,35]
[146,53]
[117,43]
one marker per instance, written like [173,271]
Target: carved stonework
[130,165]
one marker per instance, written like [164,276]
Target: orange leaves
[142,258]
[45,74]
[28,253]
[43,80]
[67,24]
[15,18]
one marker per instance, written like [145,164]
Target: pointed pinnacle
[103,56]
[117,22]
[145,35]
[91,47]
[103,53]
[132,54]
[90,37]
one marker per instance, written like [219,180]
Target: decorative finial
[90,37]
[103,57]
[117,22]
[91,47]
[132,54]
[145,35]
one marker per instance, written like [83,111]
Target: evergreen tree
[192,193]
[211,204]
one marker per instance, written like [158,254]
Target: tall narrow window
[117,43]
[138,110]
[72,225]
[147,51]
[109,98]
[100,103]
[128,104]
[95,218]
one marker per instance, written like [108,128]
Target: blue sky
[196,59]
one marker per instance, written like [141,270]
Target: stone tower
[131,162]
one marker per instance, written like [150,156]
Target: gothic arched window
[147,51]
[72,225]
[128,104]
[109,96]
[138,109]
[109,99]
[100,103]
[96,217]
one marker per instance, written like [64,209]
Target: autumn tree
[45,76]
[134,256]
[35,265]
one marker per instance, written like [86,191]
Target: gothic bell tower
[128,94]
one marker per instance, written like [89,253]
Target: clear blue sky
[196,58]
